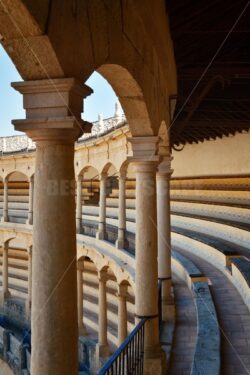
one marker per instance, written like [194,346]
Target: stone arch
[90,169]
[17,174]
[103,262]
[124,167]
[98,260]
[130,96]
[13,235]
[18,190]
[7,240]
[110,169]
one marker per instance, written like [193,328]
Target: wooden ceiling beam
[214,124]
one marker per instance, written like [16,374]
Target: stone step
[230,197]
[232,183]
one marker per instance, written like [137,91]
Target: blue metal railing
[128,358]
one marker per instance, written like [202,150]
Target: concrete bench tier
[232,183]
[241,276]
[241,198]
[206,358]
[234,214]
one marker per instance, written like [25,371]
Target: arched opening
[111,172]
[88,195]
[112,191]
[90,186]
[112,308]
[14,276]
[124,86]
[87,291]
[18,197]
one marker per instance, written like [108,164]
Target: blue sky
[101,102]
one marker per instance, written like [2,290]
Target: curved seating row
[206,357]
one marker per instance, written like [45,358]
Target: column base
[167,300]
[29,221]
[102,351]
[101,235]
[4,296]
[168,311]
[119,244]
[82,331]
[155,362]
[28,308]
[4,219]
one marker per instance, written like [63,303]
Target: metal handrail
[128,358]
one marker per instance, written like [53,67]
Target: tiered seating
[217,229]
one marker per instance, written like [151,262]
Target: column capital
[53,109]
[31,178]
[122,291]
[103,276]
[122,174]
[80,265]
[148,166]
[144,149]
[79,177]
[6,245]
[103,175]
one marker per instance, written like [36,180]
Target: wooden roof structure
[212,51]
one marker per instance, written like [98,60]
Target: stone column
[5,273]
[54,127]
[81,328]
[145,163]
[5,216]
[122,211]
[29,297]
[122,313]
[164,229]
[31,195]
[103,317]
[102,208]
[79,204]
